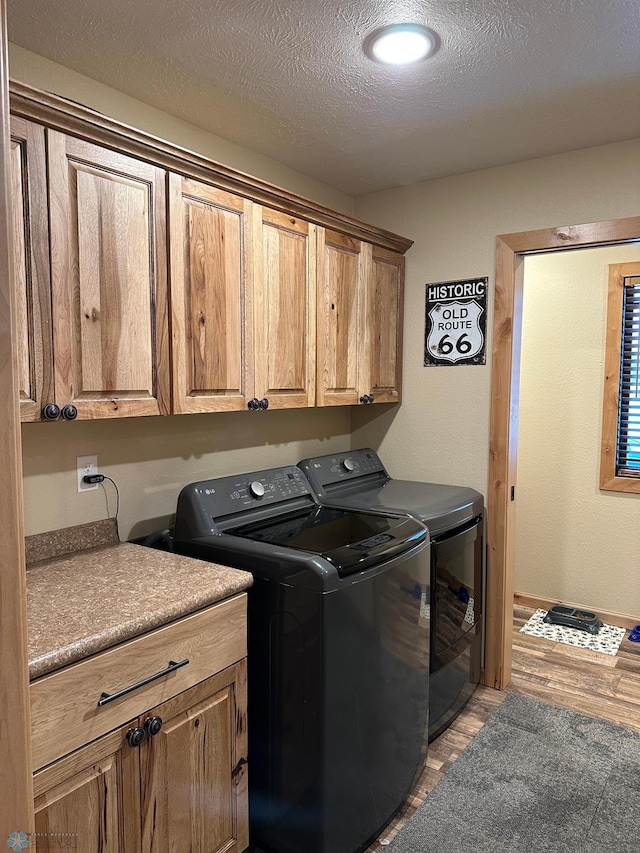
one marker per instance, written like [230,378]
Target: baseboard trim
[520,598]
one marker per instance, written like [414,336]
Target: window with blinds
[620,451]
[628,456]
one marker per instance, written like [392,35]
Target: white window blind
[628,460]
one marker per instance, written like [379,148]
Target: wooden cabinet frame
[32,273]
[16,813]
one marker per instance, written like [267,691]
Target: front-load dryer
[454,515]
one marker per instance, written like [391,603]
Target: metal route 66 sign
[455,322]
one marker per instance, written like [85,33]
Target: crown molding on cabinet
[88,124]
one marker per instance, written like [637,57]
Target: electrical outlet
[86,465]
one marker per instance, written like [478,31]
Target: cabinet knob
[69,412]
[253,404]
[366,398]
[371,398]
[264,403]
[135,736]
[51,412]
[152,725]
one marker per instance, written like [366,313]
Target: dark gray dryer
[338,654]
[357,479]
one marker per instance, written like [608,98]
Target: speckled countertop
[82,600]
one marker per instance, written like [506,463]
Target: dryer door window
[457,572]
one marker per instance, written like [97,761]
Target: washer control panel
[204,503]
[323,471]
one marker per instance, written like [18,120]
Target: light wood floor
[591,683]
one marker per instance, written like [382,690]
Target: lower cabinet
[183,787]
[90,800]
[194,771]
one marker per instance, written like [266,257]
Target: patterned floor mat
[607,641]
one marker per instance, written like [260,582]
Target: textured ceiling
[512,80]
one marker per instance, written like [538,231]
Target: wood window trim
[609,479]
[511,250]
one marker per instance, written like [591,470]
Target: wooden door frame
[511,250]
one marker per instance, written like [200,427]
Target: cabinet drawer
[64,705]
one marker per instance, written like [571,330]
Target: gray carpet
[535,778]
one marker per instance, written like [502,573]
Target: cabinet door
[285,312]
[211,286]
[194,772]
[32,283]
[89,801]
[108,268]
[341,335]
[385,292]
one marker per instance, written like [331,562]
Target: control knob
[256,489]
[348,465]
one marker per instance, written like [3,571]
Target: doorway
[511,250]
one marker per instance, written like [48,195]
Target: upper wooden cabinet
[284,309]
[108,280]
[275,301]
[341,348]
[360,290]
[32,283]
[242,302]
[211,297]
[384,314]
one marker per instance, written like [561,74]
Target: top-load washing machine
[357,479]
[338,654]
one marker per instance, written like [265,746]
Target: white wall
[574,542]
[441,430]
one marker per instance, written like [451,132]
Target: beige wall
[440,432]
[28,67]
[574,542]
[151,458]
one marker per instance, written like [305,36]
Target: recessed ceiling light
[401,44]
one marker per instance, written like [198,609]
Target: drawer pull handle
[110,697]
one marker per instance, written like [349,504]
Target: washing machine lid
[349,540]
[440,507]
[357,479]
